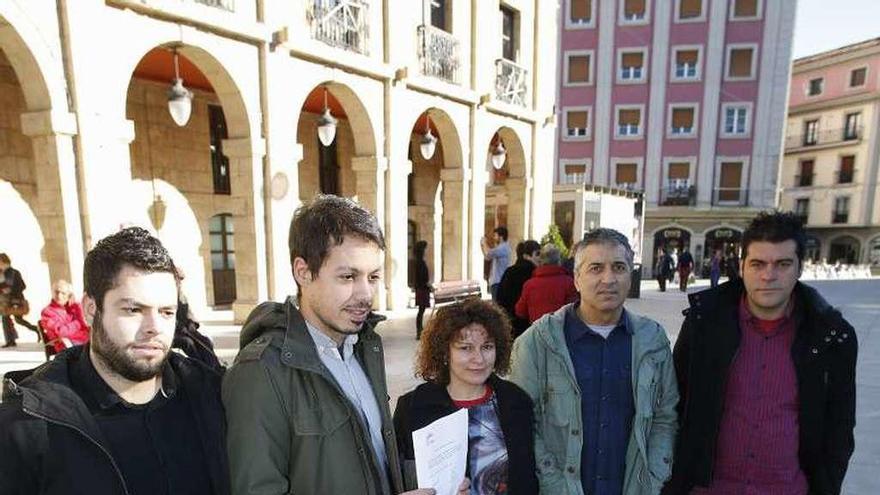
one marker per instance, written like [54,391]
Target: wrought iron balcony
[573,179]
[840,217]
[511,82]
[220,4]
[845,176]
[837,136]
[679,195]
[438,53]
[341,23]
[803,180]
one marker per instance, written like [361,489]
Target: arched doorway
[812,249]
[725,239]
[189,175]
[220,231]
[435,202]
[844,249]
[346,164]
[38,224]
[874,252]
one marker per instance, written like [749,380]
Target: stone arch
[507,189]
[844,248]
[353,151]
[209,164]
[36,130]
[438,185]
[874,251]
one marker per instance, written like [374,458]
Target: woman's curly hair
[444,328]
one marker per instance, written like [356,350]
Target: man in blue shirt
[602,381]
[500,256]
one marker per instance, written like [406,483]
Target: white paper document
[441,453]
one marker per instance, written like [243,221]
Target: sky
[827,24]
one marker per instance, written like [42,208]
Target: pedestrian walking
[549,289]
[466,347]
[715,268]
[663,268]
[528,254]
[13,304]
[499,255]
[603,383]
[307,399]
[766,372]
[421,284]
[685,266]
[121,414]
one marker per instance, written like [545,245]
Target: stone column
[517,209]
[454,219]
[246,167]
[396,290]
[367,176]
[57,205]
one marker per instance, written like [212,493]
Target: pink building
[684,100]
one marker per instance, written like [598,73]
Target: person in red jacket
[550,287]
[62,320]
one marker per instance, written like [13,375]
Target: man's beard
[116,358]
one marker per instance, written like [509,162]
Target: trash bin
[635,288]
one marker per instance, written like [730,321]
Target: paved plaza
[858,299]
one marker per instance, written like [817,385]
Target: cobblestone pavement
[859,300]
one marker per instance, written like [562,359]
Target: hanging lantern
[326,124]
[499,155]
[179,98]
[428,143]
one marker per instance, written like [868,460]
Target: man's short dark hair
[324,222]
[132,246]
[4,258]
[776,226]
[501,231]
[530,246]
[602,235]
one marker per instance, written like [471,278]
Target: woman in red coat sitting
[62,320]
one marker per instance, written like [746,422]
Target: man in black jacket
[766,373]
[509,289]
[121,414]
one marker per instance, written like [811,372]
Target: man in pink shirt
[62,320]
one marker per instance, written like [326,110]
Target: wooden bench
[454,291]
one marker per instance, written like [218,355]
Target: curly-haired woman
[462,348]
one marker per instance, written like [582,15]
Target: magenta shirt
[757,450]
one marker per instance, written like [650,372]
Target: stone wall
[307,136]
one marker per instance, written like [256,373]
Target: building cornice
[836,56]
[835,103]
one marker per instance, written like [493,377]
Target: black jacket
[509,290]
[824,356]
[50,443]
[430,402]
[13,281]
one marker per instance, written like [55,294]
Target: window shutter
[682,117]
[689,9]
[579,68]
[626,173]
[807,167]
[634,7]
[577,120]
[575,168]
[632,60]
[630,117]
[847,163]
[741,62]
[686,57]
[857,77]
[679,170]
[731,173]
[581,10]
[745,8]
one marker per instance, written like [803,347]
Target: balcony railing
[729,196]
[803,180]
[840,217]
[678,195]
[829,136]
[573,179]
[803,217]
[220,4]
[511,82]
[343,24]
[438,53]
[845,176]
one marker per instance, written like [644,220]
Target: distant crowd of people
[567,392]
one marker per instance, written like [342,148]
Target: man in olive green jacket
[602,381]
[306,400]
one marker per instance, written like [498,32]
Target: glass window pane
[216,242]
[230,261]
[217,261]
[230,243]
